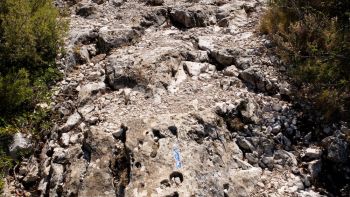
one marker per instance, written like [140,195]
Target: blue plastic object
[177,157]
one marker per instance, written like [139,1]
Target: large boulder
[99,179]
[225,57]
[338,150]
[155,2]
[81,55]
[188,18]
[73,178]
[184,163]
[72,121]
[72,2]
[90,89]
[117,3]
[156,18]
[30,171]
[256,80]
[20,143]
[243,181]
[56,180]
[114,38]
[99,1]
[248,110]
[86,10]
[195,68]
[119,74]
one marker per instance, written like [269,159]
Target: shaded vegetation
[30,38]
[313,37]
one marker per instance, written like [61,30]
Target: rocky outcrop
[86,10]
[226,57]
[20,143]
[189,18]
[257,81]
[113,38]
[172,98]
[155,2]
[119,73]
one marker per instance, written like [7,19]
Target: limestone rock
[56,179]
[312,153]
[82,55]
[113,38]
[117,3]
[65,139]
[243,62]
[337,151]
[189,18]
[245,144]
[256,80]
[73,179]
[99,1]
[226,57]
[101,145]
[119,74]
[244,181]
[72,121]
[86,10]
[32,174]
[231,71]
[89,90]
[195,69]
[19,143]
[202,104]
[248,109]
[155,2]
[315,168]
[157,18]
[206,43]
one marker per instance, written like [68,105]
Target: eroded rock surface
[171,98]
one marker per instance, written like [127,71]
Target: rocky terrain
[173,98]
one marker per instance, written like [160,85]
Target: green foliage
[30,38]
[31,35]
[5,163]
[15,90]
[314,36]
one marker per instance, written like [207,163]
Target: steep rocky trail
[173,98]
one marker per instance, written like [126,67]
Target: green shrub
[15,91]
[5,164]
[31,35]
[314,36]
[6,161]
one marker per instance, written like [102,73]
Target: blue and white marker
[177,157]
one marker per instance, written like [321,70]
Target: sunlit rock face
[169,98]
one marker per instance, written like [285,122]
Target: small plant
[5,163]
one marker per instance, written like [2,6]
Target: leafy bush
[15,90]
[314,37]
[31,34]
